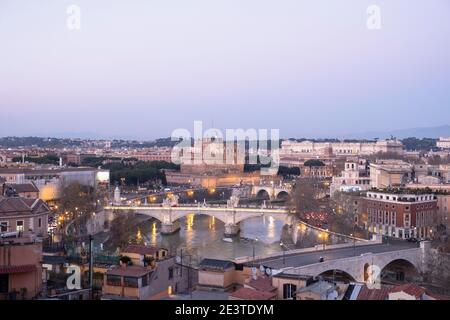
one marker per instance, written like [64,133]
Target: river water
[202,236]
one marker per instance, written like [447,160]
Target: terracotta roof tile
[409,288]
[128,271]
[374,294]
[20,206]
[261,284]
[250,294]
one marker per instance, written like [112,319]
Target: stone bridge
[271,192]
[367,267]
[231,217]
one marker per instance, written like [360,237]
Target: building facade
[24,216]
[310,149]
[20,268]
[443,143]
[354,177]
[390,173]
[401,215]
[51,181]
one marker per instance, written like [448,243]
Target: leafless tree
[121,231]
[437,270]
[307,196]
[310,195]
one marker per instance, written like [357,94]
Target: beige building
[310,149]
[144,255]
[443,208]
[443,143]
[216,275]
[288,284]
[21,273]
[23,216]
[23,190]
[129,282]
[322,290]
[390,173]
[51,180]
[354,177]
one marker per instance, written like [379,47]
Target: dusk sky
[141,69]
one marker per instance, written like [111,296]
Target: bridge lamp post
[254,241]
[354,242]
[322,237]
[284,250]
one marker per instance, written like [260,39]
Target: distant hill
[424,132]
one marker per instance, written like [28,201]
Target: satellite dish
[254,273]
[178,259]
[268,271]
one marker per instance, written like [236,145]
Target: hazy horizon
[141,69]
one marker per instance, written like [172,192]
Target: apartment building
[401,214]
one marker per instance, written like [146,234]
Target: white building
[51,181]
[354,177]
[443,143]
[319,149]
[390,173]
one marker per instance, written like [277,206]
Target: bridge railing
[348,260]
[273,209]
[332,232]
[316,248]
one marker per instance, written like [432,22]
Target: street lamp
[282,247]
[354,241]
[322,237]
[254,241]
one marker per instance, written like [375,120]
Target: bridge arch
[338,275]
[263,194]
[400,270]
[217,215]
[282,195]
[154,214]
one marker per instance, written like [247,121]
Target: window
[39,222]
[131,282]
[407,220]
[170,273]
[289,290]
[4,280]
[144,280]
[4,226]
[19,225]
[113,280]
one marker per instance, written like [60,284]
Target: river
[202,236]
